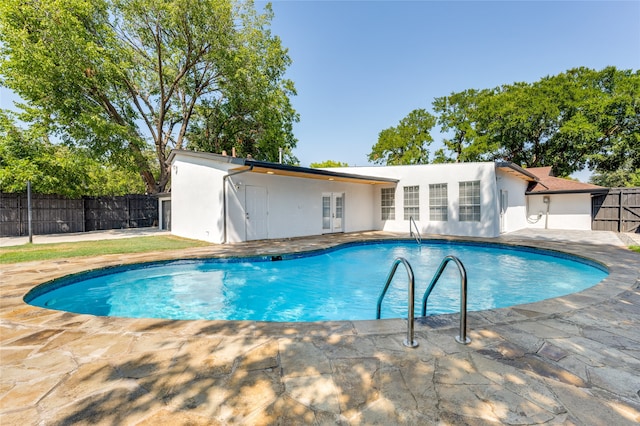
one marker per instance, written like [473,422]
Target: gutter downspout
[224,200]
[546,200]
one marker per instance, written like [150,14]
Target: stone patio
[571,360]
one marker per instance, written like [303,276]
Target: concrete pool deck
[569,360]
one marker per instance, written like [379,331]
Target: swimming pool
[342,283]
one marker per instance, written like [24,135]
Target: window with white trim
[470,201]
[412,202]
[388,203]
[438,202]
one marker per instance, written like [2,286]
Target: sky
[359,67]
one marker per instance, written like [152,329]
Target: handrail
[418,237]
[462,338]
[409,341]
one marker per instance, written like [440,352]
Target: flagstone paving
[572,360]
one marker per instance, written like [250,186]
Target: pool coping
[16,317]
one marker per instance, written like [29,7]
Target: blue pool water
[336,284]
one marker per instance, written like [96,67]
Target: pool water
[336,284]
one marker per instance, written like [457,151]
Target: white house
[555,203]
[227,199]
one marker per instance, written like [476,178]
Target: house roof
[278,169]
[549,184]
[515,170]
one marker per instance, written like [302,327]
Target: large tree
[457,114]
[118,75]
[29,155]
[580,118]
[406,143]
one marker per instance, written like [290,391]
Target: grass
[34,252]
[635,248]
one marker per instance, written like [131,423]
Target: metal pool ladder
[417,235]
[409,341]
[462,337]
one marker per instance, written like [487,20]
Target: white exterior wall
[515,217]
[161,218]
[294,205]
[196,198]
[422,176]
[566,211]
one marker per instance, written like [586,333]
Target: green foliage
[623,177]
[118,76]
[580,118]
[254,115]
[458,114]
[56,169]
[328,163]
[407,142]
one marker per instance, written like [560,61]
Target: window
[388,202]
[412,202]
[470,201]
[326,212]
[438,202]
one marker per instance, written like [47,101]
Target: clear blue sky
[361,66]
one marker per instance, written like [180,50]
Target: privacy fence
[618,210]
[55,214]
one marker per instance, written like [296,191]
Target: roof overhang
[515,170]
[309,173]
[277,169]
[569,191]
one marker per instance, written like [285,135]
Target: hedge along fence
[55,214]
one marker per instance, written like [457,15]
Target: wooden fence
[618,210]
[54,214]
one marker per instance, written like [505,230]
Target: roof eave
[517,170]
[303,172]
[569,191]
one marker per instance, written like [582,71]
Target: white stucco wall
[566,211]
[515,215]
[196,198]
[294,205]
[452,175]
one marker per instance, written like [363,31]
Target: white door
[256,212]
[332,212]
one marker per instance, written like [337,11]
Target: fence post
[620,211]
[29,212]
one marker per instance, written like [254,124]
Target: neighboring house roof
[549,184]
[278,169]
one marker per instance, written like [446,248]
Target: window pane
[326,212]
[388,203]
[470,201]
[412,202]
[438,202]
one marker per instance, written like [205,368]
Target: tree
[328,164]
[625,176]
[113,75]
[407,142]
[458,113]
[580,118]
[28,155]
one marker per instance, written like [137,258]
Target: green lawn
[31,252]
[635,248]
